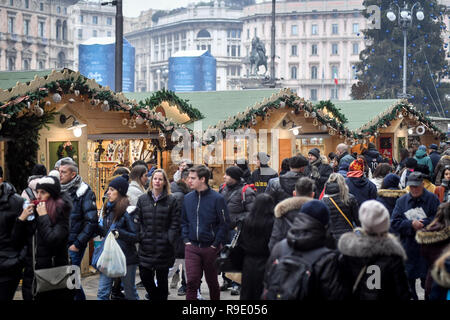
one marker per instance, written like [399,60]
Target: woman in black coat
[337,190]
[51,228]
[372,262]
[433,239]
[254,240]
[158,220]
[10,261]
[115,217]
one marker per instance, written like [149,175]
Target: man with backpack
[301,267]
[239,198]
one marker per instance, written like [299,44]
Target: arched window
[64,30]
[26,64]
[61,60]
[11,64]
[58,29]
[41,65]
[203,34]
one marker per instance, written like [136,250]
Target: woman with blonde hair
[343,206]
[158,220]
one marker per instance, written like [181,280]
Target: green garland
[165,95]
[331,108]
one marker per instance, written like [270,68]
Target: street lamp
[404,21]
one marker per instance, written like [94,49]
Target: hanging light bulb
[77,132]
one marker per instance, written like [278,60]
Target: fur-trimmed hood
[290,204]
[441,270]
[363,246]
[429,237]
[391,193]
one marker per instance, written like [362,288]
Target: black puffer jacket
[282,187]
[261,177]
[159,228]
[127,234]
[319,172]
[238,203]
[10,209]
[179,189]
[83,218]
[51,238]
[338,224]
[308,234]
[373,158]
[285,213]
[360,250]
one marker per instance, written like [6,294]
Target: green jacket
[422,158]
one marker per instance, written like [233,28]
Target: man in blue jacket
[83,217]
[204,228]
[413,212]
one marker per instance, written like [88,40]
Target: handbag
[231,256]
[343,214]
[99,249]
[50,279]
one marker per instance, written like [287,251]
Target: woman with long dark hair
[254,240]
[158,220]
[382,170]
[115,212]
[50,226]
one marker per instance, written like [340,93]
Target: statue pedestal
[256,82]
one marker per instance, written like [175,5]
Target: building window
[334,29]
[313,94]
[11,2]
[58,29]
[65,10]
[64,31]
[314,49]
[355,27]
[26,64]
[356,48]
[314,29]
[11,64]
[27,4]
[313,72]
[294,72]
[334,72]
[203,34]
[334,93]
[248,34]
[26,27]
[94,33]
[41,29]
[41,6]
[80,34]
[41,65]
[294,30]
[11,25]
[109,34]
[58,9]
[61,60]
[294,50]
[109,21]
[81,19]
[95,20]
[334,48]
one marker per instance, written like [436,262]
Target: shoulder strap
[358,279]
[30,193]
[343,214]
[33,253]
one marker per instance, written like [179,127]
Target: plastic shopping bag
[112,262]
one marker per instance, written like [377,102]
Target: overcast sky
[132,8]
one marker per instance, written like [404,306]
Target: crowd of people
[343,219]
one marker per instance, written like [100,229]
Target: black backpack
[291,276]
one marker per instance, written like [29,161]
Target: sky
[132,8]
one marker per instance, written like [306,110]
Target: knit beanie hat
[120,184]
[263,158]
[315,152]
[51,185]
[374,217]
[317,210]
[391,181]
[411,163]
[356,168]
[39,170]
[234,172]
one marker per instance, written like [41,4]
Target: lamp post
[405,20]
[119,43]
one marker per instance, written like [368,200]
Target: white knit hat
[374,217]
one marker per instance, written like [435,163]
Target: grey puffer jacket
[282,187]
[239,203]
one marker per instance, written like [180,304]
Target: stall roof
[8,79]
[361,112]
[216,105]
